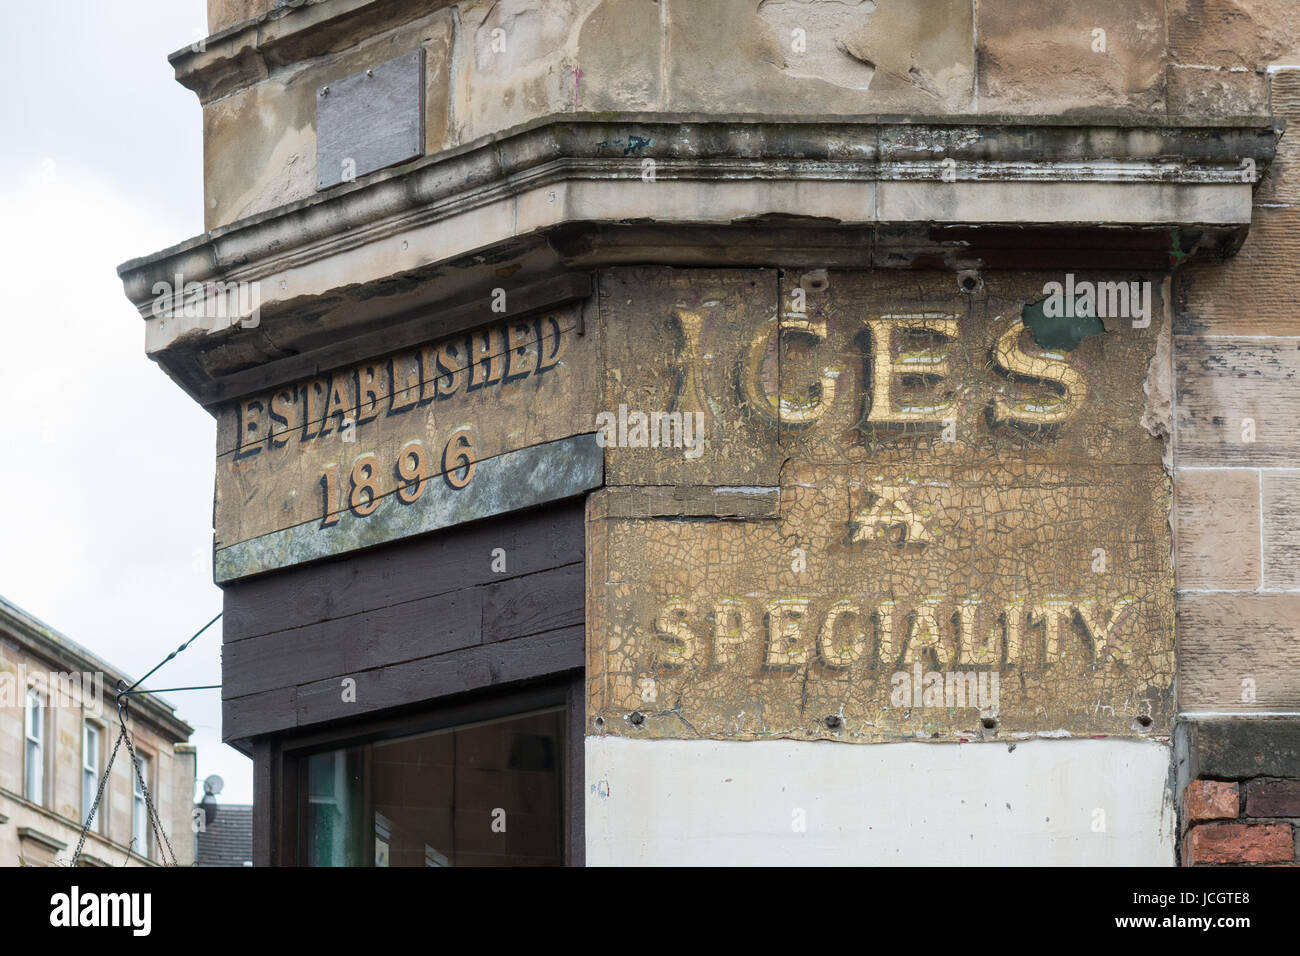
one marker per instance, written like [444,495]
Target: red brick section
[1272,798]
[1240,843]
[1212,800]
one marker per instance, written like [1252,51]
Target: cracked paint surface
[972,531]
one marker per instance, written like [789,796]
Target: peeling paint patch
[1059,332]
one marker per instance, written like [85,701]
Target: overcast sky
[106,467]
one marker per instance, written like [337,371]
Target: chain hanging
[155,822]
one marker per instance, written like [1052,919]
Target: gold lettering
[842,653]
[1048,368]
[676,639]
[368,379]
[785,647]
[485,358]
[787,410]
[1105,644]
[1050,614]
[733,627]
[551,343]
[404,382]
[929,365]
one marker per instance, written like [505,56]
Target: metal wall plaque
[370,120]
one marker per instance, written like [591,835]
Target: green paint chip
[1059,332]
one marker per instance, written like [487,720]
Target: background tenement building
[58,725]
[658,431]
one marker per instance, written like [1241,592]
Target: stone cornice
[247,52]
[721,149]
[63,655]
[869,176]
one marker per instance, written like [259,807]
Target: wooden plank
[474,668]
[342,646]
[534,604]
[1281,494]
[1238,401]
[529,542]
[1216,528]
[264,713]
[513,481]
[1238,652]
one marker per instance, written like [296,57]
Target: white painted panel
[674,802]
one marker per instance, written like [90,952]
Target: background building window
[140,808]
[90,753]
[34,766]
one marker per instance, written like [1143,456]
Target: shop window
[476,794]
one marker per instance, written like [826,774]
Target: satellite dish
[211,787]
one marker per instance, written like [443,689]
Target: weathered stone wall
[494,64]
[1236,338]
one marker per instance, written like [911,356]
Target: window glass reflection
[479,795]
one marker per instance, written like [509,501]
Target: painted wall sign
[972,535]
[396,445]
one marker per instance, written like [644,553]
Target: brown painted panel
[435,564]
[466,609]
